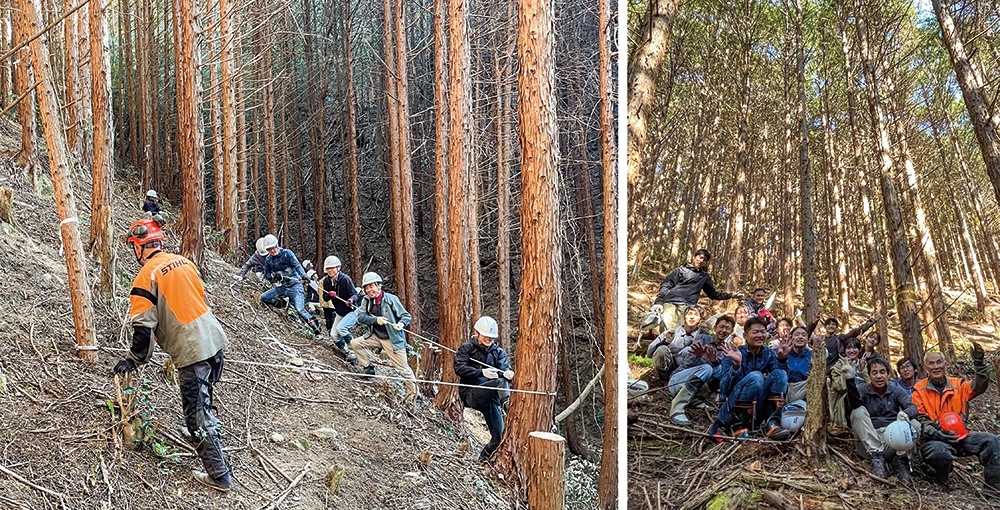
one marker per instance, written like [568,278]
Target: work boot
[773,430]
[878,464]
[677,416]
[900,465]
[369,370]
[314,325]
[222,483]
[992,476]
[743,412]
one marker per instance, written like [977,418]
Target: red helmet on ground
[953,422]
[766,314]
[141,232]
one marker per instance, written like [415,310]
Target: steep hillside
[290,433]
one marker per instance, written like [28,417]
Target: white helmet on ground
[270,241]
[152,193]
[793,416]
[487,326]
[898,435]
[331,261]
[260,247]
[370,277]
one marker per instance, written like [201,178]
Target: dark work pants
[939,455]
[487,401]
[196,398]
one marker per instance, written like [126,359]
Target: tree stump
[814,431]
[7,205]
[545,476]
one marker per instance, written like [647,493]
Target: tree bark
[455,322]
[906,304]
[189,133]
[24,81]
[62,181]
[810,292]
[101,228]
[229,199]
[984,120]
[411,297]
[352,215]
[818,413]
[503,73]
[546,471]
[541,243]
[71,70]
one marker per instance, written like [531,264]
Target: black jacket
[882,408]
[470,372]
[835,343]
[342,287]
[684,285]
[151,206]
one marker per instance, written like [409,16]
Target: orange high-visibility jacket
[953,398]
[168,297]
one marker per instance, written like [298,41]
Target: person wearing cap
[481,362]
[283,269]
[682,287]
[168,305]
[255,262]
[384,314]
[939,397]
[872,407]
[152,203]
[339,299]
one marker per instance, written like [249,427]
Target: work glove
[658,309]
[509,375]
[398,326]
[738,295]
[978,354]
[331,293]
[935,434]
[124,366]
[381,321]
[491,373]
[237,277]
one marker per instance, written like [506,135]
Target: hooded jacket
[684,285]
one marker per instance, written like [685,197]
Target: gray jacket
[389,307]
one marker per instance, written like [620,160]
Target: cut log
[545,476]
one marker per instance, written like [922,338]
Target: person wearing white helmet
[283,269]
[384,314]
[311,286]
[481,362]
[255,262]
[152,203]
[339,299]
[874,406]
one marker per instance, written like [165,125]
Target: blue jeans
[294,294]
[754,387]
[340,330]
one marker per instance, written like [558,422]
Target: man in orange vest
[944,440]
[168,305]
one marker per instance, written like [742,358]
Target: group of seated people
[755,368]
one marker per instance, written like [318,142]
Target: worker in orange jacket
[945,438]
[168,305]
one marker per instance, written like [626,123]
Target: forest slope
[58,424]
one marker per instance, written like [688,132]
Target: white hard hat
[260,247]
[487,326]
[270,241]
[310,274]
[331,261]
[637,387]
[152,193]
[793,416]
[370,277]
[307,264]
[898,436]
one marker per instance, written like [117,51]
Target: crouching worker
[385,314]
[753,385]
[481,362]
[284,270]
[942,403]
[255,262]
[168,304]
[874,407]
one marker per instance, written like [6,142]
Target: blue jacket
[797,364]
[285,264]
[765,363]
[389,307]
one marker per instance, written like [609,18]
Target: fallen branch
[777,500]
[579,400]
[288,490]
[30,484]
[853,465]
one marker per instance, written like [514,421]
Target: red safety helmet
[766,314]
[141,232]
[953,422]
